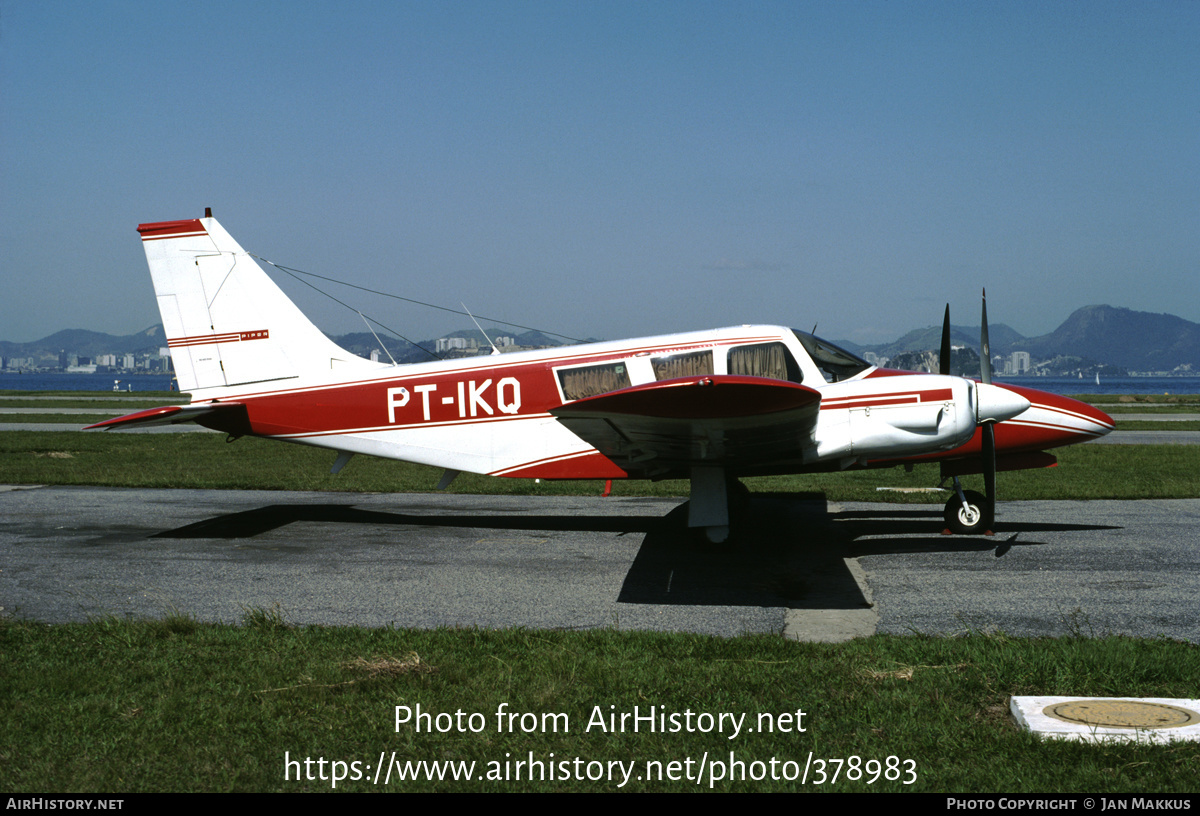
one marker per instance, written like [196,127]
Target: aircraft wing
[222,416]
[730,421]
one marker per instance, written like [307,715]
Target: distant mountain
[1139,341]
[535,339]
[964,362]
[362,343]
[88,343]
[531,338]
[1092,337]
[999,336]
[930,338]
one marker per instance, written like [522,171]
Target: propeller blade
[985,348]
[989,462]
[944,355]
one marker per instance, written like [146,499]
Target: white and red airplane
[708,406]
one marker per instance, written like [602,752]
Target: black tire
[974,519]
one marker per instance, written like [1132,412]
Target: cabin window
[686,364]
[770,360]
[588,381]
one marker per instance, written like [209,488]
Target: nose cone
[994,403]
[1052,420]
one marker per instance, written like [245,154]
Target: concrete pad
[1157,720]
[835,625]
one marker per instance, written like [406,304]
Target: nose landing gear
[968,512]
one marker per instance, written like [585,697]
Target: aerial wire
[293,272]
[290,272]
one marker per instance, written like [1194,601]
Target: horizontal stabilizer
[222,416]
[740,423]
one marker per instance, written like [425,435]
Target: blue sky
[611,169]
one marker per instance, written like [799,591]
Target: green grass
[1144,403]
[1117,411]
[59,419]
[118,404]
[175,705]
[165,396]
[192,460]
[1144,399]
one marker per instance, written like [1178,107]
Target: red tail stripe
[212,339]
[171,229]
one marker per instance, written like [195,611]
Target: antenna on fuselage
[376,336]
[481,331]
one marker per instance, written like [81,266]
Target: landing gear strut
[718,500]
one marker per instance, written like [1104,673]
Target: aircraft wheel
[973,519]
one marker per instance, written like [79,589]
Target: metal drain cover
[1121,714]
[1157,720]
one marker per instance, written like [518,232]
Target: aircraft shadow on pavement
[792,552]
[789,552]
[892,531]
[767,565]
[250,523]
[782,553]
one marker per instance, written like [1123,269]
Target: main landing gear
[968,512]
[718,503]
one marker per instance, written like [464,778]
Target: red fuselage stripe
[886,400]
[410,426]
[546,461]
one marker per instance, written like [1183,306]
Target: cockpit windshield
[836,364]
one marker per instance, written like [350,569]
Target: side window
[685,364]
[770,360]
[836,364]
[588,381]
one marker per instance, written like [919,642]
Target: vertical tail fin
[227,323]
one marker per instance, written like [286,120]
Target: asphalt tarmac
[800,568]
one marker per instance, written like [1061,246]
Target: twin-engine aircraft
[708,406]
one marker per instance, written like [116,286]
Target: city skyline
[1092,338]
